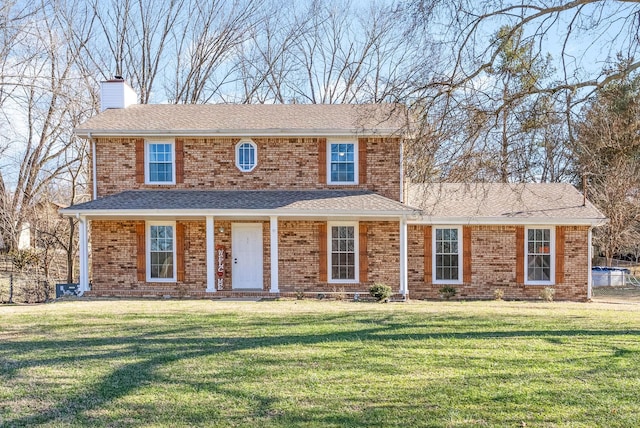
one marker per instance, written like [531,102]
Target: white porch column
[590,257]
[404,276]
[211,255]
[84,255]
[273,228]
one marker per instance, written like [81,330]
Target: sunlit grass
[307,363]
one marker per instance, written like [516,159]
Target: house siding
[283,164]
[493,266]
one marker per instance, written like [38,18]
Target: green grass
[306,363]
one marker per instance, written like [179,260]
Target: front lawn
[307,363]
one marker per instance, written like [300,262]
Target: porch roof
[242,202]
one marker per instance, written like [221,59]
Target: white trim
[232,213]
[84,255]
[404,274]
[552,256]
[356,250]
[546,221]
[211,254]
[237,154]
[356,160]
[146,162]
[460,255]
[148,225]
[273,240]
[284,132]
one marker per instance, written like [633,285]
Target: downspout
[402,171]
[589,257]
[94,174]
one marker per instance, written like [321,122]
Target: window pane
[343,257]
[160,162]
[446,254]
[161,251]
[342,166]
[539,255]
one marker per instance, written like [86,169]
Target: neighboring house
[204,200]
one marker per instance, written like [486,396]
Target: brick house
[220,200]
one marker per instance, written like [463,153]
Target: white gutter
[235,213]
[274,132]
[508,221]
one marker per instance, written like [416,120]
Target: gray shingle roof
[282,202]
[247,119]
[499,202]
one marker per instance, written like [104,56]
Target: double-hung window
[447,263]
[161,256]
[539,255]
[160,162]
[343,251]
[343,162]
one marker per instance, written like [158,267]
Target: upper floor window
[539,256]
[343,162]
[160,163]
[246,155]
[447,262]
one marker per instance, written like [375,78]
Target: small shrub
[448,292]
[381,292]
[547,294]
[498,294]
[299,295]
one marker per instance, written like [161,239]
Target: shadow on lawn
[160,346]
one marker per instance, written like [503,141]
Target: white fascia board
[248,133]
[230,213]
[506,221]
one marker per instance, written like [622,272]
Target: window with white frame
[161,251]
[343,251]
[447,260]
[539,255]
[246,155]
[160,159]
[343,162]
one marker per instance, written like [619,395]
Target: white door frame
[247,266]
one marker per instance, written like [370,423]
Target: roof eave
[568,221]
[70,212]
[280,132]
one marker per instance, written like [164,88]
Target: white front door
[246,248]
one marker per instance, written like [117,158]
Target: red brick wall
[298,248]
[493,250]
[113,246]
[283,163]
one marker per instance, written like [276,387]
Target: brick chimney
[116,93]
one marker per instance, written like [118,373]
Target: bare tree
[46,103]
[608,155]
[574,39]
